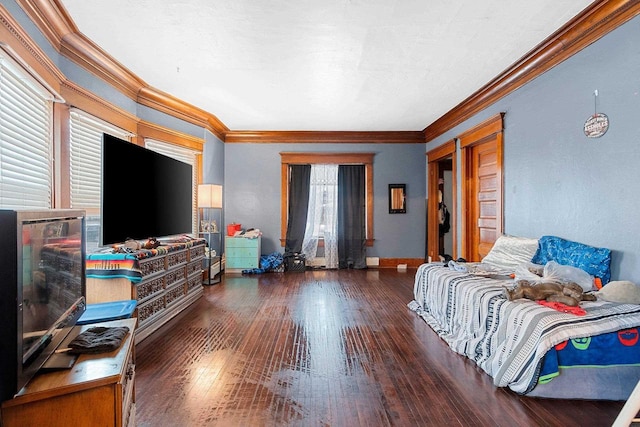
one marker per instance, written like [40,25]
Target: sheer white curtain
[322,214]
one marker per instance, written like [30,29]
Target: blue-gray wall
[252,192]
[556,180]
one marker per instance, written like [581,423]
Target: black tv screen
[144,194]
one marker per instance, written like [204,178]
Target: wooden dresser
[99,390]
[166,284]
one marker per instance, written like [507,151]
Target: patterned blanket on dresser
[507,339]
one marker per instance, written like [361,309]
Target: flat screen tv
[42,295]
[144,193]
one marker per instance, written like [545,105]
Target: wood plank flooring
[324,348]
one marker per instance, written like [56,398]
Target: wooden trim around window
[159,133]
[327,158]
[86,101]
[287,159]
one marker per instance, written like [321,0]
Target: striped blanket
[507,339]
[112,266]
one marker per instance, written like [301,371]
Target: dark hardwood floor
[324,348]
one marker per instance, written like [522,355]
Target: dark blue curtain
[300,177]
[352,237]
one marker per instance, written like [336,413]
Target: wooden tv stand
[98,390]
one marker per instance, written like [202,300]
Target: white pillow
[509,252]
[620,291]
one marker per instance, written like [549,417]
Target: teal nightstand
[241,254]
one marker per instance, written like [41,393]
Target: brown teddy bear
[567,293]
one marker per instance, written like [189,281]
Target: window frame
[290,158]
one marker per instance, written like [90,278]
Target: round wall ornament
[596,125]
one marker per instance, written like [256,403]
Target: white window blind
[85,168]
[85,154]
[185,155]
[26,150]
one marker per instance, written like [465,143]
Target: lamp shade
[210,196]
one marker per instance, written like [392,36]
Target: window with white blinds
[85,158]
[26,146]
[85,167]
[184,155]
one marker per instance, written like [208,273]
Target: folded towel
[99,339]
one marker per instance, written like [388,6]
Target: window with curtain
[26,153]
[322,214]
[328,201]
[85,170]
[184,155]
[299,159]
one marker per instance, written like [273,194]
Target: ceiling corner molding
[594,22]
[161,101]
[325,137]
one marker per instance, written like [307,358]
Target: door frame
[486,131]
[434,157]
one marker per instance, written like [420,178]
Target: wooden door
[481,149]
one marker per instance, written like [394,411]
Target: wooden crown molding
[594,22]
[58,27]
[381,137]
[92,58]
[52,19]
[17,42]
[173,106]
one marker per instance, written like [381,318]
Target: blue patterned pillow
[595,261]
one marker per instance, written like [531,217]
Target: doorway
[441,202]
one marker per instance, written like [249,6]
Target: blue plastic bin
[105,311]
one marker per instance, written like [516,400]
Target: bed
[530,348]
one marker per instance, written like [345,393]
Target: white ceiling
[340,65]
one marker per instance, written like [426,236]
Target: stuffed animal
[151,243]
[568,293]
[132,244]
